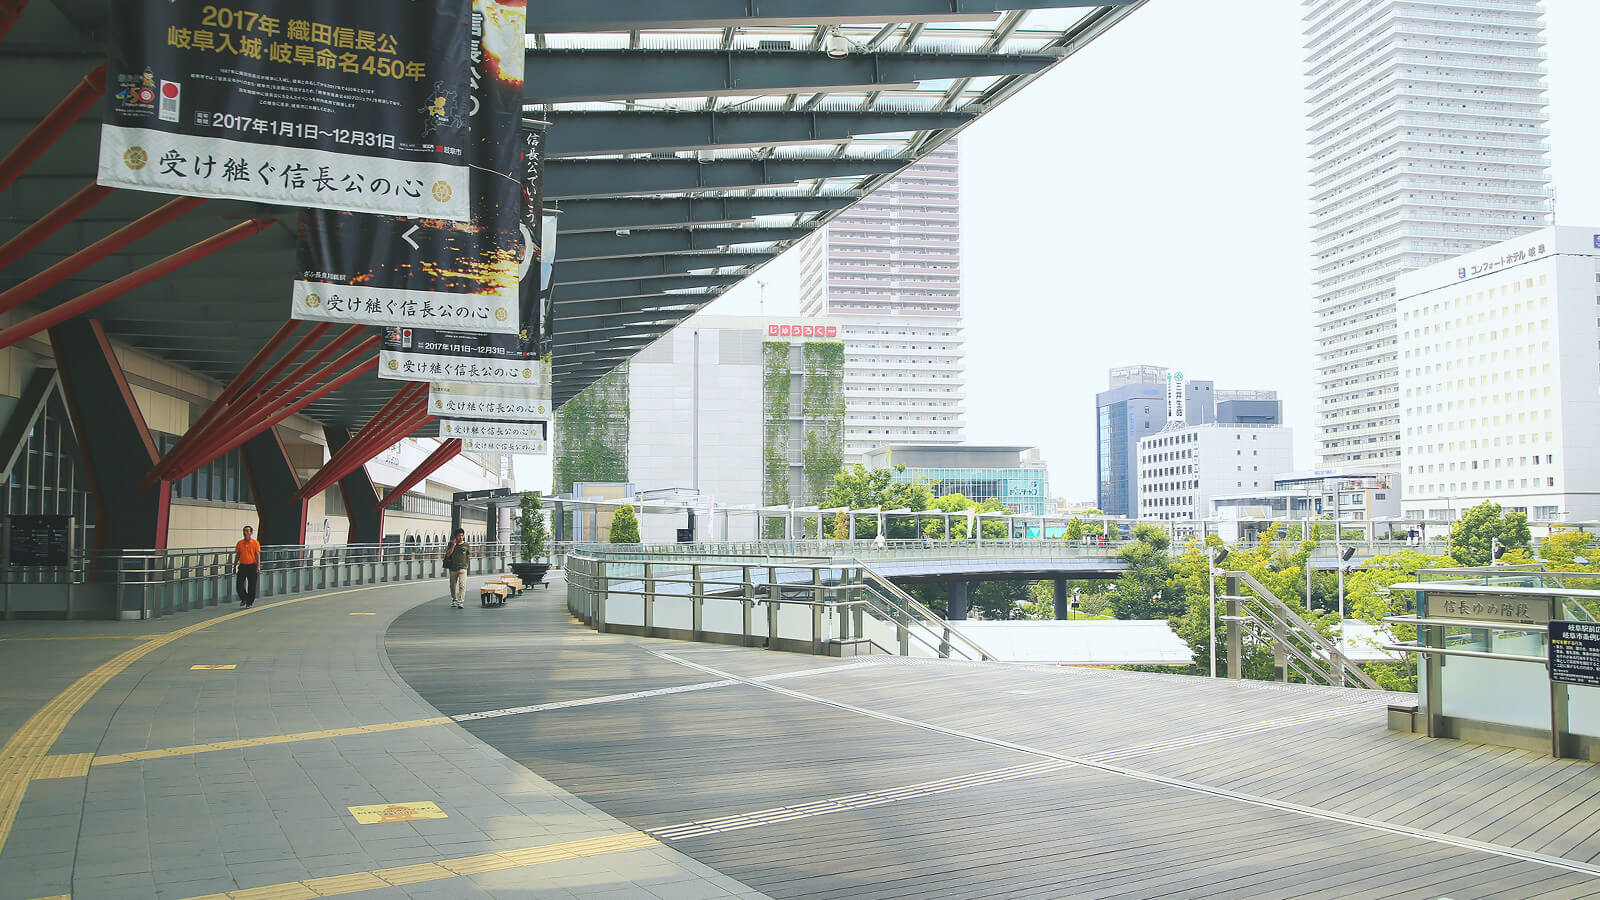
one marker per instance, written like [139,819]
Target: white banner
[514,446]
[217,167]
[521,377]
[467,401]
[485,428]
[355,304]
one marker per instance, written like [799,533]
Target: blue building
[1013,475]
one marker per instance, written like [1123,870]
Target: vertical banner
[438,354]
[314,103]
[428,272]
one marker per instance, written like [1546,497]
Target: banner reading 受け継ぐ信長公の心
[422,354]
[495,429]
[426,272]
[316,103]
[470,401]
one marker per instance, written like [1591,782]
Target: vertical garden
[824,416]
[775,381]
[591,439]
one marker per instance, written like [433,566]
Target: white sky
[1146,202]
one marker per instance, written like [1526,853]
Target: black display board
[40,540]
[1575,653]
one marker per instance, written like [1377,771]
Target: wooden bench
[512,582]
[493,594]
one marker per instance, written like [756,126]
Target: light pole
[1213,560]
[1344,564]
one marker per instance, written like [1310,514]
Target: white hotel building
[889,271]
[1500,379]
[1427,140]
[1182,469]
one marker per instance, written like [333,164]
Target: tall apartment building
[1427,140]
[1500,379]
[889,271]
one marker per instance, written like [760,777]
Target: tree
[998,600]
[1565,546]
[841,527]
[861,488]
[625,526]
[535,534]
[1474,533]
[1075,529]
[1145,590]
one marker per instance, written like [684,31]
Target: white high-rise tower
[1427,141]
[889,271]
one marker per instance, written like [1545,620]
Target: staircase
[1296,645]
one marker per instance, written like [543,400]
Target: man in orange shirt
[247,567]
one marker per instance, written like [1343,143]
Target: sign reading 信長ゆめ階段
[427,272]
[313,103]
[470,401]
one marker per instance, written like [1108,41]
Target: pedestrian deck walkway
[570,763]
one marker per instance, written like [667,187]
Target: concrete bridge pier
[956,604]
[1063,601]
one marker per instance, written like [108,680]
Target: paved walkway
[127,772]
[564,763]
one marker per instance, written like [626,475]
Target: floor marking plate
[363,614]
[228,666]
[380,813]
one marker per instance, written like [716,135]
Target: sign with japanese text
[470,401]
[1575,653]
[492,428]
[312,103]
[802,330]
[512,446]
[1476,607]
[421,354]
[427,272]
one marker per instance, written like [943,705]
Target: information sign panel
[40,540]
[1575,653]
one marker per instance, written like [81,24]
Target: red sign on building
[802,330]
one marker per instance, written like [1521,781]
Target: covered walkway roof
[690,143]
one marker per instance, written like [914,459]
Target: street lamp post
[1213,560]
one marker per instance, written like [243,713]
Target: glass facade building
[1013,475]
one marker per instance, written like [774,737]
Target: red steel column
[51,222]
[10,11]
[445,452]
[54,124]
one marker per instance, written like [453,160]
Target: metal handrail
[1300,627]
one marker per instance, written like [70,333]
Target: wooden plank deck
[809,777]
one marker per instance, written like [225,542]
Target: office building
[1341,493]
[1015,476]
[1500,379]
[1427,140]
[743,410]
[1182,468]
[1135,406]
[889,271]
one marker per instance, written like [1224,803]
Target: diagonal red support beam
[10,11]
[399,405]
[247,422]
[51,222]
[446,452]
[55,123]
[278,414]
[90,299]
[246,375]
[348,459]
[97,251]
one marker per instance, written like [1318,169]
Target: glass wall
[47,478]
[1020,490]
[223,479]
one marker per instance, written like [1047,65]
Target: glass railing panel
[1507,692]
[722,616]
[1583,710]
[794,621]
[674,611]
[624,609]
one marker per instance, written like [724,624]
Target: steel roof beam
[606,329]
[571,296]
[603,270]
[625,15]
[668,240]
[610,214]
[578,314]
[582,75]
[568,179]
[601,133]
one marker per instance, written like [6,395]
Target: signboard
[488,360]
[428,272]
[1575,653]
[1487,609]
[513,446]
[40,540]
[483,428]
[314,103]
[467,401]
[796,329]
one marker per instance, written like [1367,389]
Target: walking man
[247,568]
[455,564]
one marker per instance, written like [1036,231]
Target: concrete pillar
[956,605]
[1062,599]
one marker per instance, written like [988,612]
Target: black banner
[433,354]
[1574,655]
[317,103]
[428,272]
